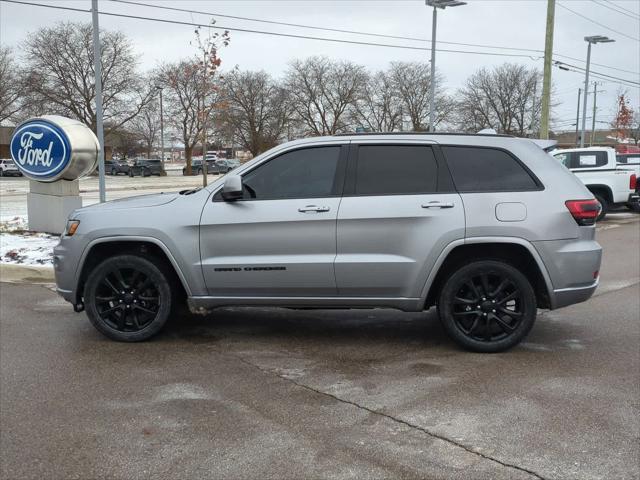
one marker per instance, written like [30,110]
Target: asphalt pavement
[275,393]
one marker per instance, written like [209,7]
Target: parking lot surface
[275,393]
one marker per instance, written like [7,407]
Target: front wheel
[487,306]
[128,298]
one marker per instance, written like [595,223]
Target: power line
[635,17]
[276,34]
[356,32]
[622,8]
[176,22]
[598,23]
[598,73]
[314,27]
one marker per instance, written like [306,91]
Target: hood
[138,201]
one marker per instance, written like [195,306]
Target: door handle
[313,208]
[436,204]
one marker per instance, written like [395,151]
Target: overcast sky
[507,23]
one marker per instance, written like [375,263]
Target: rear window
[395,169]
[589,159]
[477,169]
[634,159]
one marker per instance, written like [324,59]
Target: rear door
[399,210]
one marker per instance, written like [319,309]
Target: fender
[129,238]
[479,240]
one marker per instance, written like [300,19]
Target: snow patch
[21,246]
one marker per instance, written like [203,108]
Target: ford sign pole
[98,73]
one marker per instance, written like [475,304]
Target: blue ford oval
[40,149]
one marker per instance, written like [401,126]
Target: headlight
[72,226]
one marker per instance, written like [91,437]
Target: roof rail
[359,134]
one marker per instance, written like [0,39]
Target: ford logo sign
[50,148]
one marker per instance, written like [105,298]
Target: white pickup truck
[612,184]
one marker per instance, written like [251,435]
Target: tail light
[633,182]
[584,212]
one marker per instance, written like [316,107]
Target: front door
[280,239]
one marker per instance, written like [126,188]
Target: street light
[436,4]
[590,40]
[158,87]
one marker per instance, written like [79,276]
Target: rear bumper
[634,199]
[568,296]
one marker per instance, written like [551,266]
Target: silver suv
[487,228]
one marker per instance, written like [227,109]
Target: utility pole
[578,117]
[205,165]
[161,129]
[432,86]
[97,68]
[593,120]
[546,79]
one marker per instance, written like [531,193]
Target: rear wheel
[487,306]
[128,298]
[604,207]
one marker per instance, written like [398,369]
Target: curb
[11,273]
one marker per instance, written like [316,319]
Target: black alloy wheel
[487,306]
[128,298]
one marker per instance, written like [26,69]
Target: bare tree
[634,129]
[10,85]
[60,74]
[322,93]
[188,101]
[506,98]
[412,82]
[124,143]
[380,107]
[146,126]
[255,109]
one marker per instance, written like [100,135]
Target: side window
[304,173]
[395,169]
[564,158]
[477,169]
[590,159]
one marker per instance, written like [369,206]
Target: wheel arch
[102,248]
[601,189]
[516,251]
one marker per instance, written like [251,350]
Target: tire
[131,174]
[114,172]
[506,289]
[604,207]
[144,308]
[199,171]
[145,172]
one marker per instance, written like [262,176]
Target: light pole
[436,4]
[97,67]
[590,40]
[158,87]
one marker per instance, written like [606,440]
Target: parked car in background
[146,167]
[214,167]
[487,228]
[226,165]
[116,167]
[613,185]
[8,168]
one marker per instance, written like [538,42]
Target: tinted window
[395,169]
[565,158]
[633,159]
[304,173]
[486,170]
[589,159]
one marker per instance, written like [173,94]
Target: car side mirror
[232,189]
